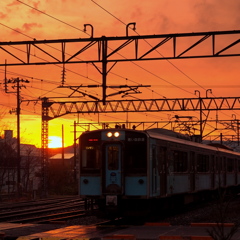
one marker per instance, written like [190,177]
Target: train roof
[169,135]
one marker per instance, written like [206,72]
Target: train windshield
[90,159]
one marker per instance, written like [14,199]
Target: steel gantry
[58,109]
[106,50]
[109,47]
[112,50]
[55,109]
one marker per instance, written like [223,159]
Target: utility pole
[201,121]
[18,86]
[201,110]
[75,153]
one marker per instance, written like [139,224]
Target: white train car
[124,169]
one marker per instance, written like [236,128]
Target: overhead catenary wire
[134,63]
[79,29]
[34,38]
[156,51]
[84,32]
[151,46]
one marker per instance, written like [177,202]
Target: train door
[212,171]
[113,167]
[163,170]
[154,170]
[235,171]
[224,164]
[192,171]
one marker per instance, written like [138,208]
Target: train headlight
[116,134]
[109,134]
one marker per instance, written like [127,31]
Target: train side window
[162,152]
[230,165]
[113,155]
[212,166]
[218,165]
[154,156]
[224,162]
[180,161]
[202,163]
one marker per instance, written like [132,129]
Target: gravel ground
[228,212]
[217,211]
[88,220]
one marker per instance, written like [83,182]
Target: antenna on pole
[5,76]
[16,82]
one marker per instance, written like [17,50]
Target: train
[124,170]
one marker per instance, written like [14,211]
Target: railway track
[51,218]
[40,202]
[42,211]
[71,211]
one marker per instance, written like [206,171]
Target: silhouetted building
[30,166]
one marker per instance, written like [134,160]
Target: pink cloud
[2,15]
[35,9]
[16,31]
[13,3]
[28,26]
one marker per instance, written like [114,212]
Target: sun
[54,142]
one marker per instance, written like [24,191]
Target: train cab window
[113,157]
[180,161]
[90,160]
[202,163]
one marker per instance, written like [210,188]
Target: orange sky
[57,19]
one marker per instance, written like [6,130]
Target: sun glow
[54,142]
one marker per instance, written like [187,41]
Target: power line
[52,17]
[151,46]
[125,25]
[156,51]
[67,24]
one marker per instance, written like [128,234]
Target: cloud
[2,15]
[28,26]
[35,6]
[16,31]
[218,16]
[14,3]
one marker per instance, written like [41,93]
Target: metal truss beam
[109,49]
[45,119]
[58,109]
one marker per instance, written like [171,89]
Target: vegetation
[223,213]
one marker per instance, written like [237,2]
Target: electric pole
[17,84]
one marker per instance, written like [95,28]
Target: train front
[113,168]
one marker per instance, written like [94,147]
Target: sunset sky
[64,19]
